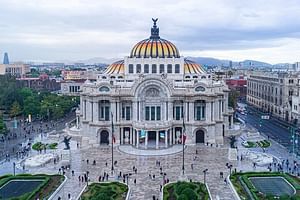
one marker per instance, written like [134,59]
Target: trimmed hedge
[38,146]
[105,191]
[30,195]
[244,177]
[185,190]
[264,143]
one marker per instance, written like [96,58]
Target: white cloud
[267,30]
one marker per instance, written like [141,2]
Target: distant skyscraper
[5,59]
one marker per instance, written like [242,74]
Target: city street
[25,133]
[269,127]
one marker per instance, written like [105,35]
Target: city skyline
[53,31]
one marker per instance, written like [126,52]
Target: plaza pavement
[212,158]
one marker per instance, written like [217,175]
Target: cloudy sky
[54,30]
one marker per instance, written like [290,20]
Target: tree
[3,128]
[15,109]
[31,106]
[232,98]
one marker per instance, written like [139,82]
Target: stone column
[77,121]
[170,110]
[157,139]
[137,139]
[95,111]
[133,111]
[119,111]
[186,111]
[208,111]
[166,138]
[146,140]
[173,133]
[192,112]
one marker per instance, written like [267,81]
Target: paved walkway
[129,149]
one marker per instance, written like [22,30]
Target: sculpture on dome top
[154,30]
[154,21]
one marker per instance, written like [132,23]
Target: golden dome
[154,47]
[190,67]
[115,68]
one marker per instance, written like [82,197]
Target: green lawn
[264,143]
[41,146]
[245,188]
[185,191]
[49,183]
[249,144]
[105,191]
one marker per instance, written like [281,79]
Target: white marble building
[148,94]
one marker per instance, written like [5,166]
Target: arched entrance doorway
[104,137]
[200,136]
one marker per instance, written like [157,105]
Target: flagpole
[182,141]
[112,144]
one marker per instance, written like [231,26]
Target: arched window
[104,89]
[199,89]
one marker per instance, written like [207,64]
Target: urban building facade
[41,83]
[152,99]
[273,92]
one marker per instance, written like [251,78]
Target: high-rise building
[5,59]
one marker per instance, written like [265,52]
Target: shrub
[182,197]
[190,194]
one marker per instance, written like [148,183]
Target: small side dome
[115,68]
[190,67]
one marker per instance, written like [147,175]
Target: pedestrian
[160,187]
[69,196]
[72,172]
[196,151]
[192,166]
[134,181]
[87,161]
[225,180]
[94,162]
[221,174]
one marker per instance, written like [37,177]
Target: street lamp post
[204,174]
[183,137]
[14,166]
[112,144]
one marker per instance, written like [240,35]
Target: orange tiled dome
[190,67]
[115,68]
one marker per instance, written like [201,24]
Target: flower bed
[185,191]
[105,191]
